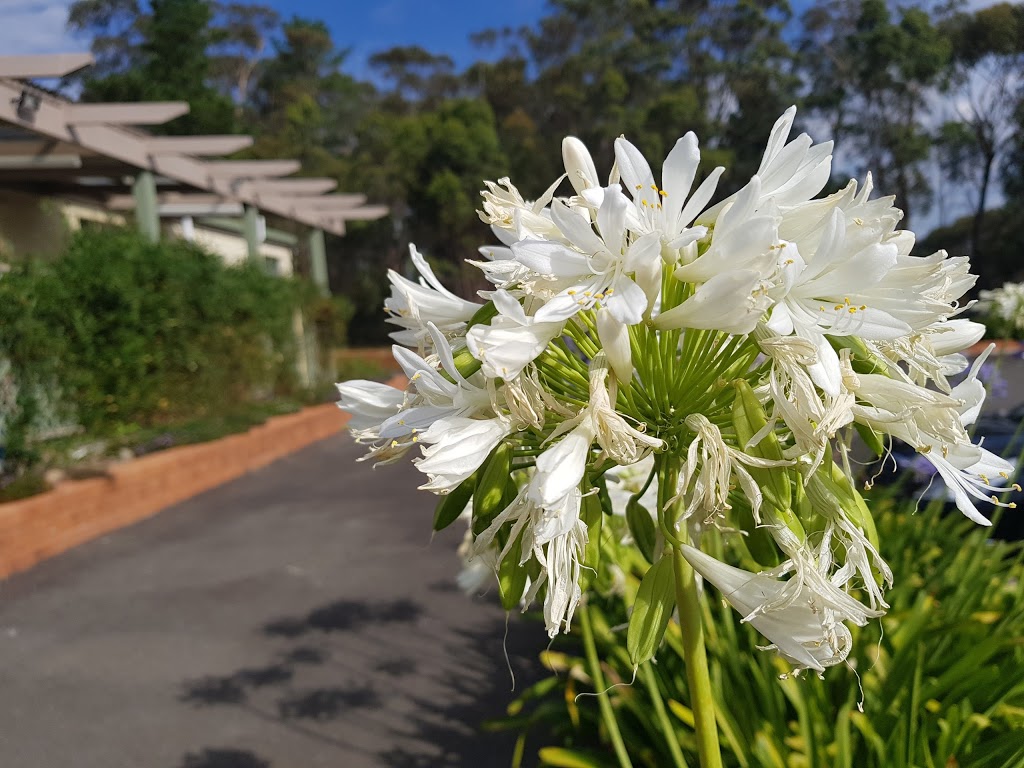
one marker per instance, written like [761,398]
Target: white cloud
[36,26]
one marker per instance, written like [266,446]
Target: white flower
[830,291]
[732,302]
[803,632]
[512,340]
[369,402]
[557,537]
[456,448]
[596,268]
[710,467]
[505,209]
[579,165]
[812,418]
[665,211]
[791,173]
[413,305]
[620,442]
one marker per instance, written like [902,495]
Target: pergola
[95,152]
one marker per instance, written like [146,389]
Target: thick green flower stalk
[723,353]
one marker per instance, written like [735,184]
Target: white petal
[614,337]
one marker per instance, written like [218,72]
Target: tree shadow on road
[371,678]
[223,758]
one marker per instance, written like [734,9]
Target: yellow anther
[639,186]
[1016,487]
[654,187]
[945,451]
[394,443]
[415,439]
[984,479]
[643,203]
[609,292]
[853,310]
[1004,476]
[994,499]
[571,292]
[587,293]
[859,221]
[837,307]
[787,262]
[598,295]
[862,307]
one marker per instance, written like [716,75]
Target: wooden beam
[204,146]
[112,141]
[33,146]
[322,202]
[252,169]
[142,113]
[42,66]
[35,162]
[199,199]
[278,187]
[365,213]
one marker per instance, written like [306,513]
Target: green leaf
[655,601]
[559,757]
[871,438]
[641,528]
[512,575]
[490,487]
[451,506]
[593,516]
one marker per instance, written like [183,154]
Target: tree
[988,54]
[160,55]
[870,78]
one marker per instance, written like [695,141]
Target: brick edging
[75,512]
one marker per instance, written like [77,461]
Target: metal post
[147,215]
[318,261]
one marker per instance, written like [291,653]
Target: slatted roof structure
[96,152]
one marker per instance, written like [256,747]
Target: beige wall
[234,250]
[30,226]
[38,226]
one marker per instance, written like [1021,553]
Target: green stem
[602,695]
[702,698]
[650,679]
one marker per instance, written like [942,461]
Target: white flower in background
[1004,307]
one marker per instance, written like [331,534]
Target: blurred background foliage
[926,95]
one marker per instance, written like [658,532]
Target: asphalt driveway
[295,618]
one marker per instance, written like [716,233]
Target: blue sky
[37,26]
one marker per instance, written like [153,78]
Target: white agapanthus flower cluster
[729,348]
[1003,308]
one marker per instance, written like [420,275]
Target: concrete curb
[73,513]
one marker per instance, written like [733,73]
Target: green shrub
[135,334]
